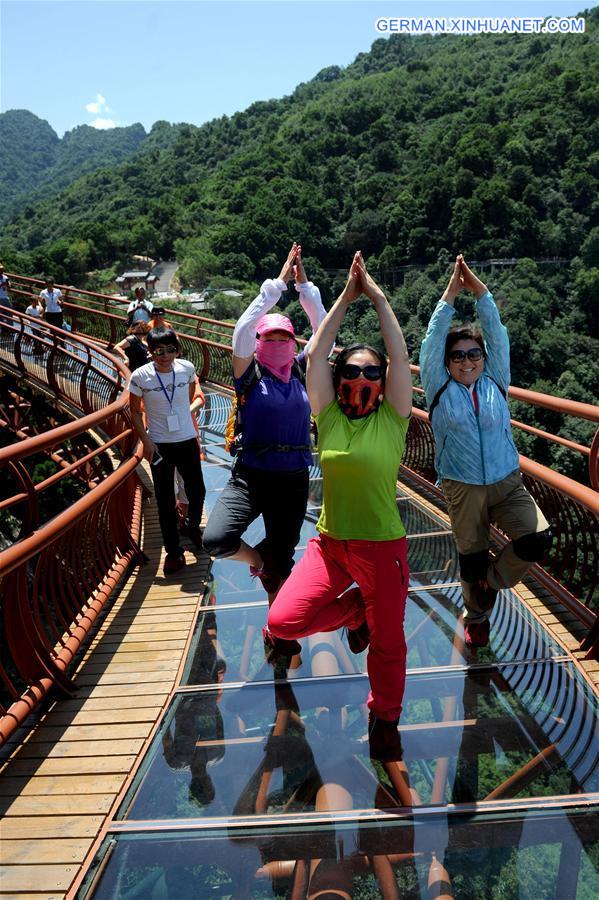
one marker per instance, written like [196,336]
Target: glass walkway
[258,783]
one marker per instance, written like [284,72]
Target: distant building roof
[135,274]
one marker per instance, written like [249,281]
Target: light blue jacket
[475,449]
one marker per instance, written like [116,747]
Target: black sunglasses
[474,354]
[351,371]
[164,351]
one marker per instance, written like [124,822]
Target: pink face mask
[359,397]
[277,356]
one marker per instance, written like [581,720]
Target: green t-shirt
[360,460]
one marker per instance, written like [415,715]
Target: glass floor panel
[524,730]
[229,641]
[526,855]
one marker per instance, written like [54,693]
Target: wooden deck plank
[59,784]
[37,878]
[57,805]
[89,732]
[138,690]
[43,850]
[94,679]
[71,765]
[105,716]
[63,749]
[26,828]
[115,703]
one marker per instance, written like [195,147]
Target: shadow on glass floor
[270,749]
[529,855]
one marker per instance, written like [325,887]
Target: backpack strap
[443,388]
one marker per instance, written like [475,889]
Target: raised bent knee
[277,624]
[533,547]
[219,544]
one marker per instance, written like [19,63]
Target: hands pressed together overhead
[463,277]
[359,281]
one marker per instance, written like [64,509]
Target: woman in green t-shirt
[362,406]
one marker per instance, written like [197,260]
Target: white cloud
[98,105]
[103,123]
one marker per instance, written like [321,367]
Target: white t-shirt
[145,383]
[51,299]
[34,312]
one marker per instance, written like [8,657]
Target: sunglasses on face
[474,354]
[350,371]
[163,351]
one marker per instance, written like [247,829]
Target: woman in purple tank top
[273,455]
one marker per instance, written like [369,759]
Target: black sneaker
[384,739]
[174,562]
[278,651]
[358,638]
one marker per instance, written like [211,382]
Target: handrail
[58,575]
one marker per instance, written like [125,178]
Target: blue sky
[82,61]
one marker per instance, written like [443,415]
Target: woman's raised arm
[319,380]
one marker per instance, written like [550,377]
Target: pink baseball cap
[274,322]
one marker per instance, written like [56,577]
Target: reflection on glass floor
[516,855]
[258,785]
[514,731]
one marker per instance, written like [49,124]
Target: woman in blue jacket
[465,374]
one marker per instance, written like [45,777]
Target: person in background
[158,320]
[4,291]
[34,310]
[167,387]
[466,374]
[362,407]
[270,476]
[140,308]
[133,349]
[51,298]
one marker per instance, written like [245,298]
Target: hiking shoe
[384,739]
[476,634]
[358,638]
[193,532]
[278,651]
[484,594]
[174,562]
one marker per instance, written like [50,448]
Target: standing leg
[517,515]
[283,498]
[189,465]
[381,571]
[163,475]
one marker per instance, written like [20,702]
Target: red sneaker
[476,634]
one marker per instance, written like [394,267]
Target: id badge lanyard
[172,421]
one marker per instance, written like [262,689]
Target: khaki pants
[472,509]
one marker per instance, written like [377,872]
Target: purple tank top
[275,413]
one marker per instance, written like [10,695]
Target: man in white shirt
[140,309]
[167,386]
[51,297]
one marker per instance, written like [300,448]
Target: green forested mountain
[35,164]
[422,147]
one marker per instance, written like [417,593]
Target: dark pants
[279,497]
[184,456]
[54,319]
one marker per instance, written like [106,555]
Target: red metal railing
[56,577]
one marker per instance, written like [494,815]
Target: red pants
[312,600]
